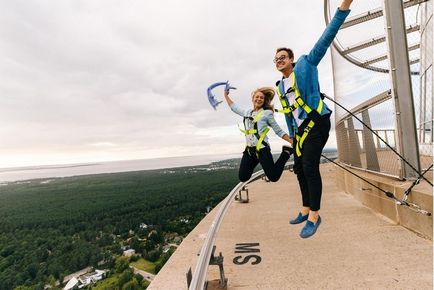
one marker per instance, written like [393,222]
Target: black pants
[271,169]
[307,165]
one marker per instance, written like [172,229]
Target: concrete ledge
[354,248]
[373,198]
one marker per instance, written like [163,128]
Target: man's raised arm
[345,5]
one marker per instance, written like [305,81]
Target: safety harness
[287,109]
[254,131]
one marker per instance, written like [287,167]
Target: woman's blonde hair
[268,97]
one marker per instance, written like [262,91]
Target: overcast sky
[86,81]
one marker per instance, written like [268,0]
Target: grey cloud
[82,75]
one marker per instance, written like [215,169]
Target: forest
[50,228]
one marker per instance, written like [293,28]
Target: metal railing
[198,278]
[199,275]
[401,115]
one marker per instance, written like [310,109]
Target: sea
[49,171]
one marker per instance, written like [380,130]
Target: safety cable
[417,181]
[379,137]
[389,194]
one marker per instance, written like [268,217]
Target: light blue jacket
[306,71]
[267,119]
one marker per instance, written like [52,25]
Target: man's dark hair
[288,50]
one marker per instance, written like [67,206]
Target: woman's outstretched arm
[234,106]
[288,139]
[228,99]
[276,128]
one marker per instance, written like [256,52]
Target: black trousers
[271,169]
[307,165]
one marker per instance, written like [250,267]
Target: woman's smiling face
[258,100]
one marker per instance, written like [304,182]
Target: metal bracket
[214,260]
[218,260]
[189,276]
[239,196]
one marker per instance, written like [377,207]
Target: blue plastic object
[211,98]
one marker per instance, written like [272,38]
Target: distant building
[85,280]
[71,283]
[91,278]
[129,253]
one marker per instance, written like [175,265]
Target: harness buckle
[290,90]
[307,129]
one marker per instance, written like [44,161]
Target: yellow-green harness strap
[247,132]
[286,109]
[252,131]
[255,131]
[258,116]
[261,139]
[300,139]
[299,102]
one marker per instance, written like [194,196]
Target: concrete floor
[354,248]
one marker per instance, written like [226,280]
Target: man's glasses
[276,59]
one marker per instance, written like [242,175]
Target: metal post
[402,94]
[239,196]
[378,140]
[218,260]
[342,142]
[354,144]
[426,77]
[368,141]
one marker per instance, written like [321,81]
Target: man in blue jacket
[307,117]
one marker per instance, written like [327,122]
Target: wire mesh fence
[425,103]
[362,85]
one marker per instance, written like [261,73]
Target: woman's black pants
[306,166]
[271,169]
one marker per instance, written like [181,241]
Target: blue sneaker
[310,228]
[299,219]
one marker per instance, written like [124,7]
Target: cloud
[105,80]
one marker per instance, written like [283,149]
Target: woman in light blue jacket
[256,122]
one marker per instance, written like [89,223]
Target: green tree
[122,264]
[132,285]
[32,270]
[139,278]
[71,223]
[153,255]
[124,278]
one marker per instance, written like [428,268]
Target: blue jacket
[306,71]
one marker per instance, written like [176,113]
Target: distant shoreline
[22,173]
[14,174]
[39,167]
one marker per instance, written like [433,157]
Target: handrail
[201,270]
[351,21]
[366,105]
[375,13]
[199,276]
